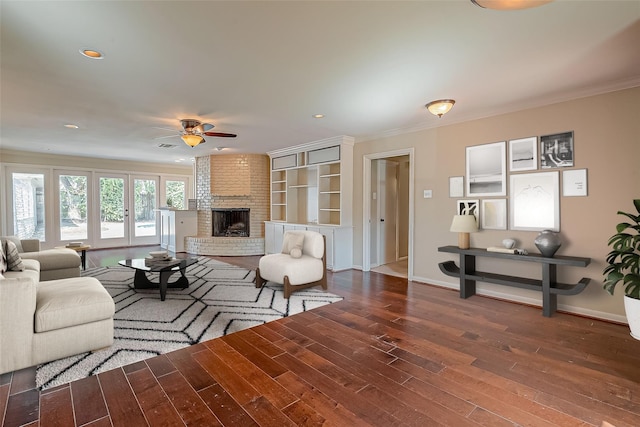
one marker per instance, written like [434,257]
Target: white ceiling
[262,69]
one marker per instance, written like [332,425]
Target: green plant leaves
[624,259]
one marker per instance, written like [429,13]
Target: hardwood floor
[392,353]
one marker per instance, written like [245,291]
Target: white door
[387,202]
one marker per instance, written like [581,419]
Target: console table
[548,285]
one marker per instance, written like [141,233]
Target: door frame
[366,203]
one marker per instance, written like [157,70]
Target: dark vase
[548,243]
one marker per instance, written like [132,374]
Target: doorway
[388,213]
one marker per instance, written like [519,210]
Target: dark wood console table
[548,285]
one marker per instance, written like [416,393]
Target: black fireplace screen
[230,222]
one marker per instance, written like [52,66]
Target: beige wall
[52,160]
[606,143]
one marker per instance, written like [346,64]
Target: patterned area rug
[220,299]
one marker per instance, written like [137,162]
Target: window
[28,205]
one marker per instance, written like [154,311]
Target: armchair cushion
[292,240]
[305,269]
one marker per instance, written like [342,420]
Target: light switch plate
[428,194]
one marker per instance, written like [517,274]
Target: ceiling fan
[194,131]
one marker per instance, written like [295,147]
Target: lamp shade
[192,140]
[464,224]
[440,107]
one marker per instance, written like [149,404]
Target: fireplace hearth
[230,222]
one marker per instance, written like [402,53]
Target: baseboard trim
[578,311]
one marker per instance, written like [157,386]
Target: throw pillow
[3,259]
[292,240]
[16,241]
[14,262]
[296,252]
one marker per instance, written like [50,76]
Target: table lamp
[463,225]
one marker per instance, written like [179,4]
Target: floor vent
[167,145]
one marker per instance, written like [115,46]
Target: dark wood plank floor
[392,353]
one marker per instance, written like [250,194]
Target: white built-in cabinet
[175,225]
[339,241]
[311,189]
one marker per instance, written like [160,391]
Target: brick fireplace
[233,183]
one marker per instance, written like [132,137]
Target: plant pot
[632,310]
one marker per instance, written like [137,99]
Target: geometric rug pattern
[221,299]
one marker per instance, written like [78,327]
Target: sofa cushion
[69,302]
[16,241]
[34,275]
[14,262]
[55,259]
[31,264]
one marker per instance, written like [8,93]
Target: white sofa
[58,263]
[41,321]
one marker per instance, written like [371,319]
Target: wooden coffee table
[164,268]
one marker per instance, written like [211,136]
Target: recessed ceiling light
[70,126]
[91,53]
[318,116]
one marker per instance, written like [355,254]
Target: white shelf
[330,192]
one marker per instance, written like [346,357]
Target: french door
[143,217]
[113,202]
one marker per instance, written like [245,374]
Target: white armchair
[302,263]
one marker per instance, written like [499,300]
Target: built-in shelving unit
[307,183]
[311,189]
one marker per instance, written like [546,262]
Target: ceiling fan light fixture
[509,4]
[440,106]
[192,140]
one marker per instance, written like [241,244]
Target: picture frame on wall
[456,186]
[494,214]
[469,207]
[574,183]
[534,201]
[556,151]
[486,170]
[523,154]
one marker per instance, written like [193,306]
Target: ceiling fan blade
[220,134]
[167,136]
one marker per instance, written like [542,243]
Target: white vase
[632,310]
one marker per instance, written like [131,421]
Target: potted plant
[624,266]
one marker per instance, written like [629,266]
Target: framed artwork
[486,170]
[469,207]
[456,186]
[574,183]
[535,201]
[523,154]
[494,214]
[556,151]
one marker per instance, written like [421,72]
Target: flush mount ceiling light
[318,116]
[92,54]
[71,126]
[192,140]
[440,107]
[509,4]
